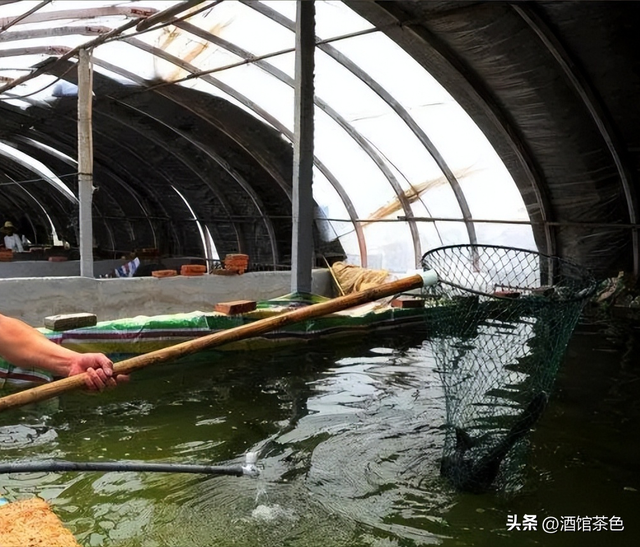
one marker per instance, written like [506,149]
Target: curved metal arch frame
[333,114]
[112,176]
[216,158]
[261,113]
[47,179]
[268,118]
[400,111]
[133,12]
[104,164]
[255,198]
[39,49]
[583,89]
[245,185]
[539,190]
[226,167]
[83,13]
[36,148]
[402,30]
[178,62]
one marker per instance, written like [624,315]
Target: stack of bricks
[193,269]
[6,255]
[236,263]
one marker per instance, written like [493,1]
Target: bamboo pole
[333,275]
[53,389]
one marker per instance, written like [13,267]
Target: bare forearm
[24,346]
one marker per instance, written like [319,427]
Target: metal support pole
[85,162]
[302,198]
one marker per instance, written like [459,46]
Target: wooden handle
[52,389]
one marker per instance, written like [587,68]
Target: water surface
[349,436]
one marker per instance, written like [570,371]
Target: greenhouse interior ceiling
[435,123]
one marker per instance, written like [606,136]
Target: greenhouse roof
[435,123]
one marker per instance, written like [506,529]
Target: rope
[352,278]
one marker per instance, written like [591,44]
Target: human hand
[99,369]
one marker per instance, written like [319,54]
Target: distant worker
[13,240]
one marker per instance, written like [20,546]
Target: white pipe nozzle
[249,468]
[429,277]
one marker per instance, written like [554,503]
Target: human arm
[24,346]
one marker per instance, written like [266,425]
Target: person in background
[13,240]
[26,347]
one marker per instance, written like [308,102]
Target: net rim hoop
[590,280]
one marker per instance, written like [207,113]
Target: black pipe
[58,465]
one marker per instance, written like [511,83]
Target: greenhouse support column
[302,198]
[85,162]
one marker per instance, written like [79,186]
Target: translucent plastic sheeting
[451,233]
[384,61]
[135,60]
[374,119]
[390,246]
[349,243]
[458,140]
[438,196]
[510,235]
[356,171]
[336,19]
[473,161]
[288,9]
[331,204]
[286,62]
[266,91]
[332,18]
[491,193]
[436,234]
[248,29]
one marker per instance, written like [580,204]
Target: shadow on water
[350,437]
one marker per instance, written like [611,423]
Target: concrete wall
[34,298]
[44,268]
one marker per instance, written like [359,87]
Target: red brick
[235,307]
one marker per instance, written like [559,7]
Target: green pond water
[349,437]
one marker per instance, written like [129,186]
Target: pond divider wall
[34,298]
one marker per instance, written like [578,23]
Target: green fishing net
[500,319]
